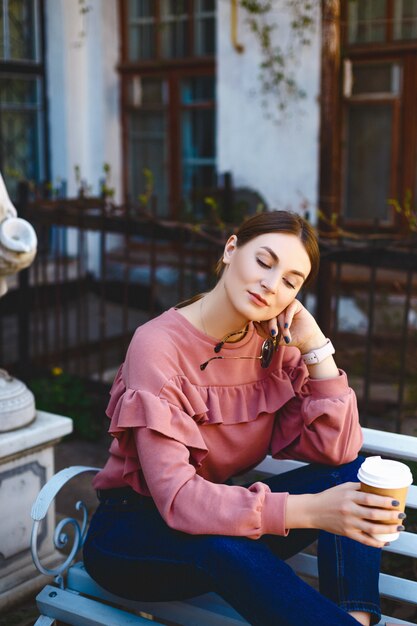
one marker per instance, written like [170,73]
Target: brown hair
[273,222]
[279,222]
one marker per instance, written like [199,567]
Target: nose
[269,286]
[270,281]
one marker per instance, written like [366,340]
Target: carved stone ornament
[17,405]
[18,241]
[18,244]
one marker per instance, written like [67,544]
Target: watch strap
[318,354]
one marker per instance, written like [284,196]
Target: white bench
[75,599]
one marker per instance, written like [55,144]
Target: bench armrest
[39,512]
[389,444]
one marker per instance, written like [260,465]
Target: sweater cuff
[329,387]
[273,514]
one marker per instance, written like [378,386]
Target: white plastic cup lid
[384,473]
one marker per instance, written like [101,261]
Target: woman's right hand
[344,510]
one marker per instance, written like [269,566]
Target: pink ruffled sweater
[180,433]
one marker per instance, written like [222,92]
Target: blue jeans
[132,552]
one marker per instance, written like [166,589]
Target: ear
[229,249]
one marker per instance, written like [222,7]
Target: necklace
[201,317]
[241,333]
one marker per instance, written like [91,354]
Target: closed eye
[262,264]
[287,282]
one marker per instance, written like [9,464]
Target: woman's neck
[217,317]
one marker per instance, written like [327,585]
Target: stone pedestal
[26,464]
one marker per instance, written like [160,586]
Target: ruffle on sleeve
[231,404]
[132,408]
[181,410]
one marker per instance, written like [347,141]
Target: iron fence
[103,270]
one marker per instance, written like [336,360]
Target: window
[168,88]
[147,146]
[198,139]
[371,123]
[377,21]
[378,110]
[22,110]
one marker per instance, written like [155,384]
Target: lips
[258,299]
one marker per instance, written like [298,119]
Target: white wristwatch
[319,354]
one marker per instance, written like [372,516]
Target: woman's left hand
[295,326]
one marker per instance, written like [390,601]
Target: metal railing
[370,288]
[103,270]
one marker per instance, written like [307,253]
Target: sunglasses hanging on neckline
[268,350]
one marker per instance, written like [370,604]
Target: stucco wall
[83,91]
[278,160]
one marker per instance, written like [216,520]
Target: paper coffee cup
[386,478]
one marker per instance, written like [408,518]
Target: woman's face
[263,277]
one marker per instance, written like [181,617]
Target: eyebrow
[276,259]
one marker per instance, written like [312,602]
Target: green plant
[214,212]
[106,190]
[83,10]
[406,210]
[278,61]
[65,394]
[145,197]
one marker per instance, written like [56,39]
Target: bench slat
[390,586]
[393,620]
[206,610]
[202,611]
[398,588]
[406,544]
[270,465]
[44,621]
[389,444]
[76,610]
[412,496]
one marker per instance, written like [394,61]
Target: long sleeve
[181,432]
[320,423]
[192,504]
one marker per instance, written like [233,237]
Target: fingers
[376,515]
[280,326]
[367,540]
[264,329]
[376,508]
[381,515]
[269,329]
[378,529]
[285,319]
[273,328]
[360,516]
[284,323]
[375,501]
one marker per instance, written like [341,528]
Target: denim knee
[348,472]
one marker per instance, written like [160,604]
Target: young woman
[206,391]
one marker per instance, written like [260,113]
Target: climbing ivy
[277,65]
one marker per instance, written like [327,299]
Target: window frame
[365,47]
[35,68]
[396,131]
[404,163]
[172,70]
